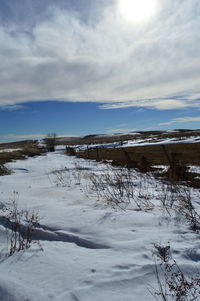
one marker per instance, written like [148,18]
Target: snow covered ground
[88,250]
[195,169]
[142,142]
[9,150]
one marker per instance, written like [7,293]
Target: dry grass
[187,153]
[144,157]
[177,156]
[21,150]
[152,135]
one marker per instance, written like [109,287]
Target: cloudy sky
[77,67]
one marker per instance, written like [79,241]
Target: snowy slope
[89,251]
[141,142]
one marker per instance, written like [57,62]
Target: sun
[138,11]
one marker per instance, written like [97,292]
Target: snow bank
[90,251]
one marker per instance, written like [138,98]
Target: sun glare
[138,11]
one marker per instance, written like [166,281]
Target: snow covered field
[9,150]
[150,141]
[89,251]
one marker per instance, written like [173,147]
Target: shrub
[118,186]
[186,208]
[20,224]
[173,285]
[179,199]
[4,170]
[114,186]
[162,252]
[62,177]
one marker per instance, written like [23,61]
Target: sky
[78,67]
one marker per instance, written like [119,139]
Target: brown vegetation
[21,150]
[152,136]
[187,153]
[145,158]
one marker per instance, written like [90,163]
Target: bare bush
[4,170]
[145,191]
[173,285]
[179,199]
[186,208]
[162,252]
[78,173]
[62,177]
[115,186]
[20,224]
[118,187]
[168,196]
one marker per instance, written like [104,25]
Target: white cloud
[181,120]
[159,104]
[29,136]
[12,107]
[111,61]
[120,130]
